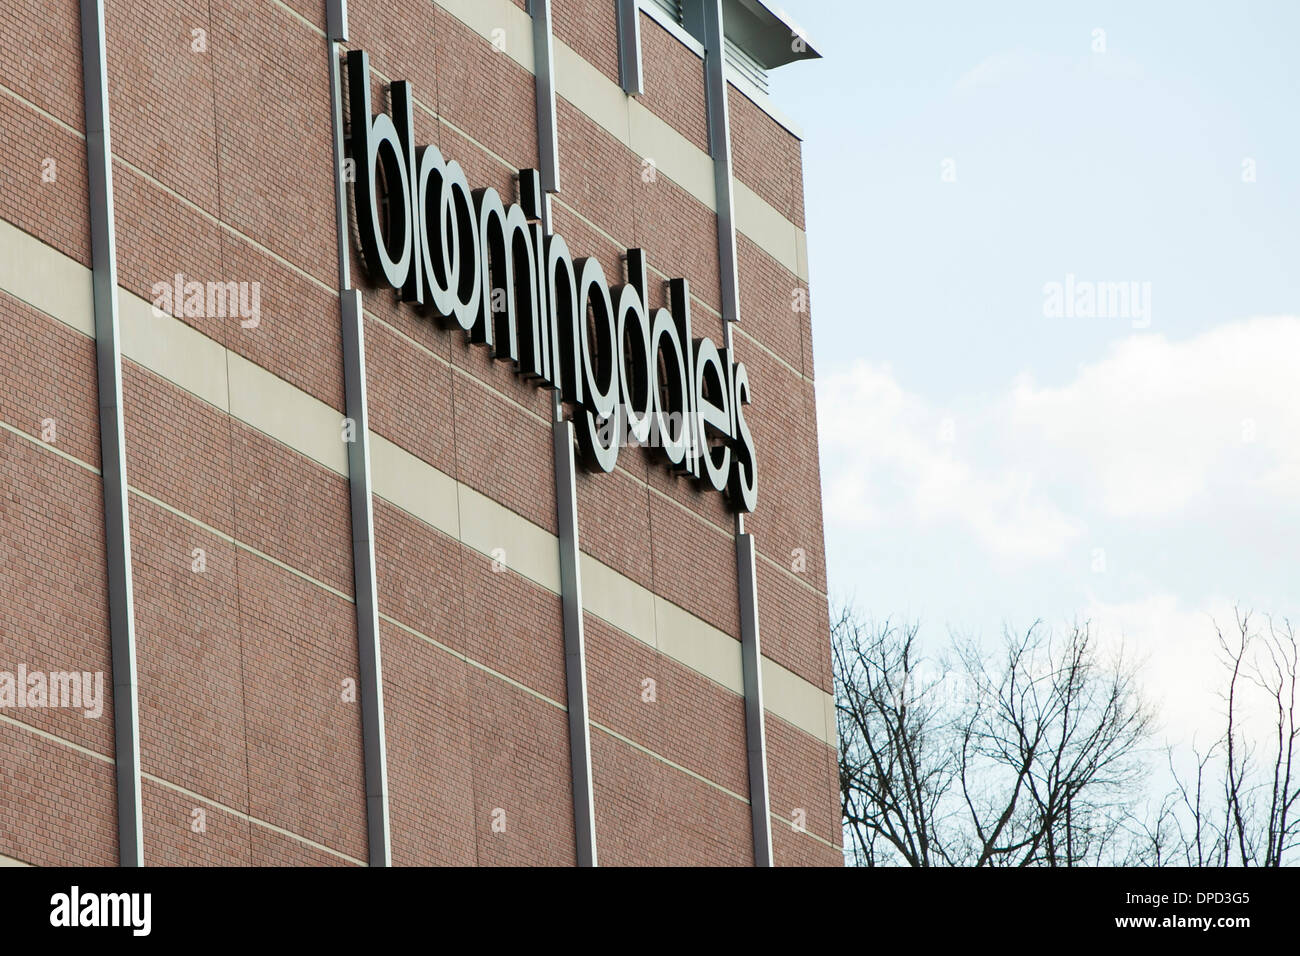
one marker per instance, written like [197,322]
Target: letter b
[377,148]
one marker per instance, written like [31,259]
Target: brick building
[353,590]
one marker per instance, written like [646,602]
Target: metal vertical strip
[548,141]
[719,123]
[112,437]
[708,16]
[369,657]
[629,46]
[336,20]
[371,690]
[575,654]
[752,668]
[566,485]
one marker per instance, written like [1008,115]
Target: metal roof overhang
[766,33]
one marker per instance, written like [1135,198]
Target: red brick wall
[673,82]
[54,211]
[58,802]
[803,788]
[766,157]
[55,613]
[590,27]
[223,172]
[60,805]
[681,715]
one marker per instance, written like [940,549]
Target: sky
[997,447]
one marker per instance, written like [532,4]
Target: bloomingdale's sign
[465,257]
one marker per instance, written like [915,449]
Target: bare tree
[896,761]
[1034,754]
[1202,847]
[1243,807]
[1030,756]
[1051,750]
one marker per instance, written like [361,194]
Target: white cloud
[1176,647]
[1182,457]
[1146,432]
[886,457]
[1183,670]
[1155,424]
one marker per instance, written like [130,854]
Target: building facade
[319,543]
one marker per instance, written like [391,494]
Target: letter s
[743,484]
